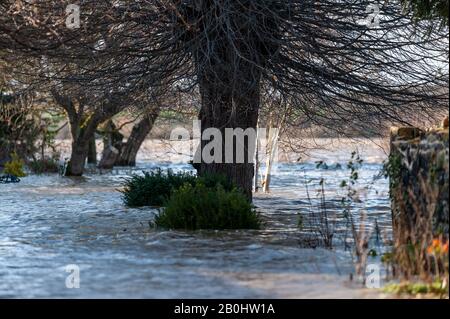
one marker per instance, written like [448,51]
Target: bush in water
[202,207]
[154,188]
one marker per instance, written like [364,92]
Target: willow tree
[345,61]
[428,9]
[85,113]
[139,132]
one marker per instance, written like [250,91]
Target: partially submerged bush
[154,188]
[213,180]
[207,202]
[15,166]
[202,207]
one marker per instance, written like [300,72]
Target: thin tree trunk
[92,151]
[256,178]
[127,156]
[270,153]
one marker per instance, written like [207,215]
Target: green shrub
[46,165]
[154,188]
[213,180]
[437,287]
[15,166]
[202,207]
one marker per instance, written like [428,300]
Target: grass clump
[194,207]
[154,188]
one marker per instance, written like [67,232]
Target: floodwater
[48,223]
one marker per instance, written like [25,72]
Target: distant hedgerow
[201,207]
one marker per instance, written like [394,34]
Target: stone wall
[418,169]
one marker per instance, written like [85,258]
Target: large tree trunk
[81,138]
[128,153]
[78,157]
[224,107]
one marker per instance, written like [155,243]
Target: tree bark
[83,125]
[271,145]
[256,178]
[224,106]
[128,153]
[92,151]
[78,156]
[109,157]
[81,138]
[112,140]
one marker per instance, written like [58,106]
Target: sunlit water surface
[48,222]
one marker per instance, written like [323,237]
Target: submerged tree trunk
[229,106]
[83,125]
[83,129]
[81,138]
[112,145]
[78,156]
[129,150]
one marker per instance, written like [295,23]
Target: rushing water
[48,222]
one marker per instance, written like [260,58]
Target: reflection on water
[48,222]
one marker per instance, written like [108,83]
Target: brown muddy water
[48,222]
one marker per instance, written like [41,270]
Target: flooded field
[48,222]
